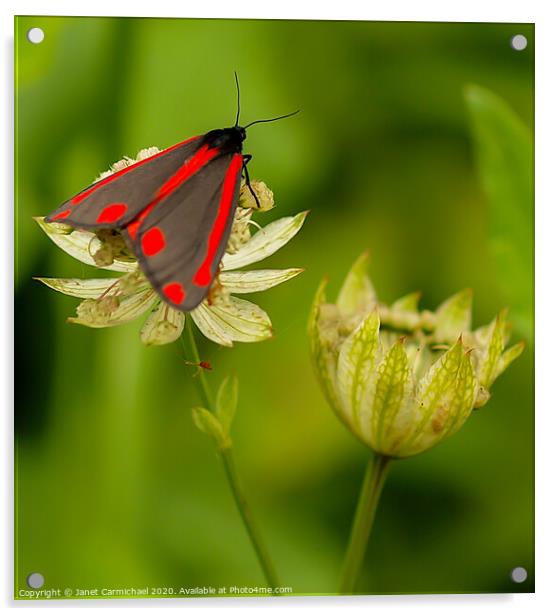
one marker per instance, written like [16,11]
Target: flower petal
[163,326]
[128,309]
[355,371]
[357,293]
[89,288]
[491,353]
[242,320]
[322,337]
[209,327]
[80,245]
[256,280]
[390,420]
[265,242]
[453,317]
[238,320]
[408,302]
[444,400]
[509,356]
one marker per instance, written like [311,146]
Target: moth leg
[247,158]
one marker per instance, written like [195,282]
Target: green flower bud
[403,380]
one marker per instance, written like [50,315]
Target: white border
[546,205]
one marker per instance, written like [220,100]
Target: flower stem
[374,479]
[232,474]
[203,385]
[249,520]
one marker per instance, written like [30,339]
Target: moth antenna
[288,115]
[238,99]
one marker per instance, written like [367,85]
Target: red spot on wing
[189,168]
[203,275]
[63,214]
[153,241]
[175,292]
[112,212]
[86,193]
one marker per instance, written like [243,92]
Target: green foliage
[504,152]
[227,401]
[206,421]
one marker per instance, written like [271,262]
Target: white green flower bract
[403,380]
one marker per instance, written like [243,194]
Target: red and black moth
[175,209]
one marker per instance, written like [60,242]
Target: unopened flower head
[221,317]
[401,379]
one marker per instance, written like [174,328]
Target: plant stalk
[248,519]
[232,475]
[202,384]
[372,485]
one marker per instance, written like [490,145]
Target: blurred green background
[115,486]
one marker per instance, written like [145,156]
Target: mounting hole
[35,580]
[519,575]
[35,36]
[519,42]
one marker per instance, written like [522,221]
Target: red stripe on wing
[203,275]
[189,168]
[86,193]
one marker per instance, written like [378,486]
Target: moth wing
[118,198]
[180,242]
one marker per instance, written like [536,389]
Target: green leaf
[206,421]
[504,154]
[227,402]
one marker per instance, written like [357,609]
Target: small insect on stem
[201,365]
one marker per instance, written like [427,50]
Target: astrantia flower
[401,379]
[221,317]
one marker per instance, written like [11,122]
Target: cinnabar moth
[175,209]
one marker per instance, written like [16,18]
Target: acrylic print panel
[234,450]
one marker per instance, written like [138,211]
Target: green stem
[232,475]
[374,479]
[249,520]
[202,384]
